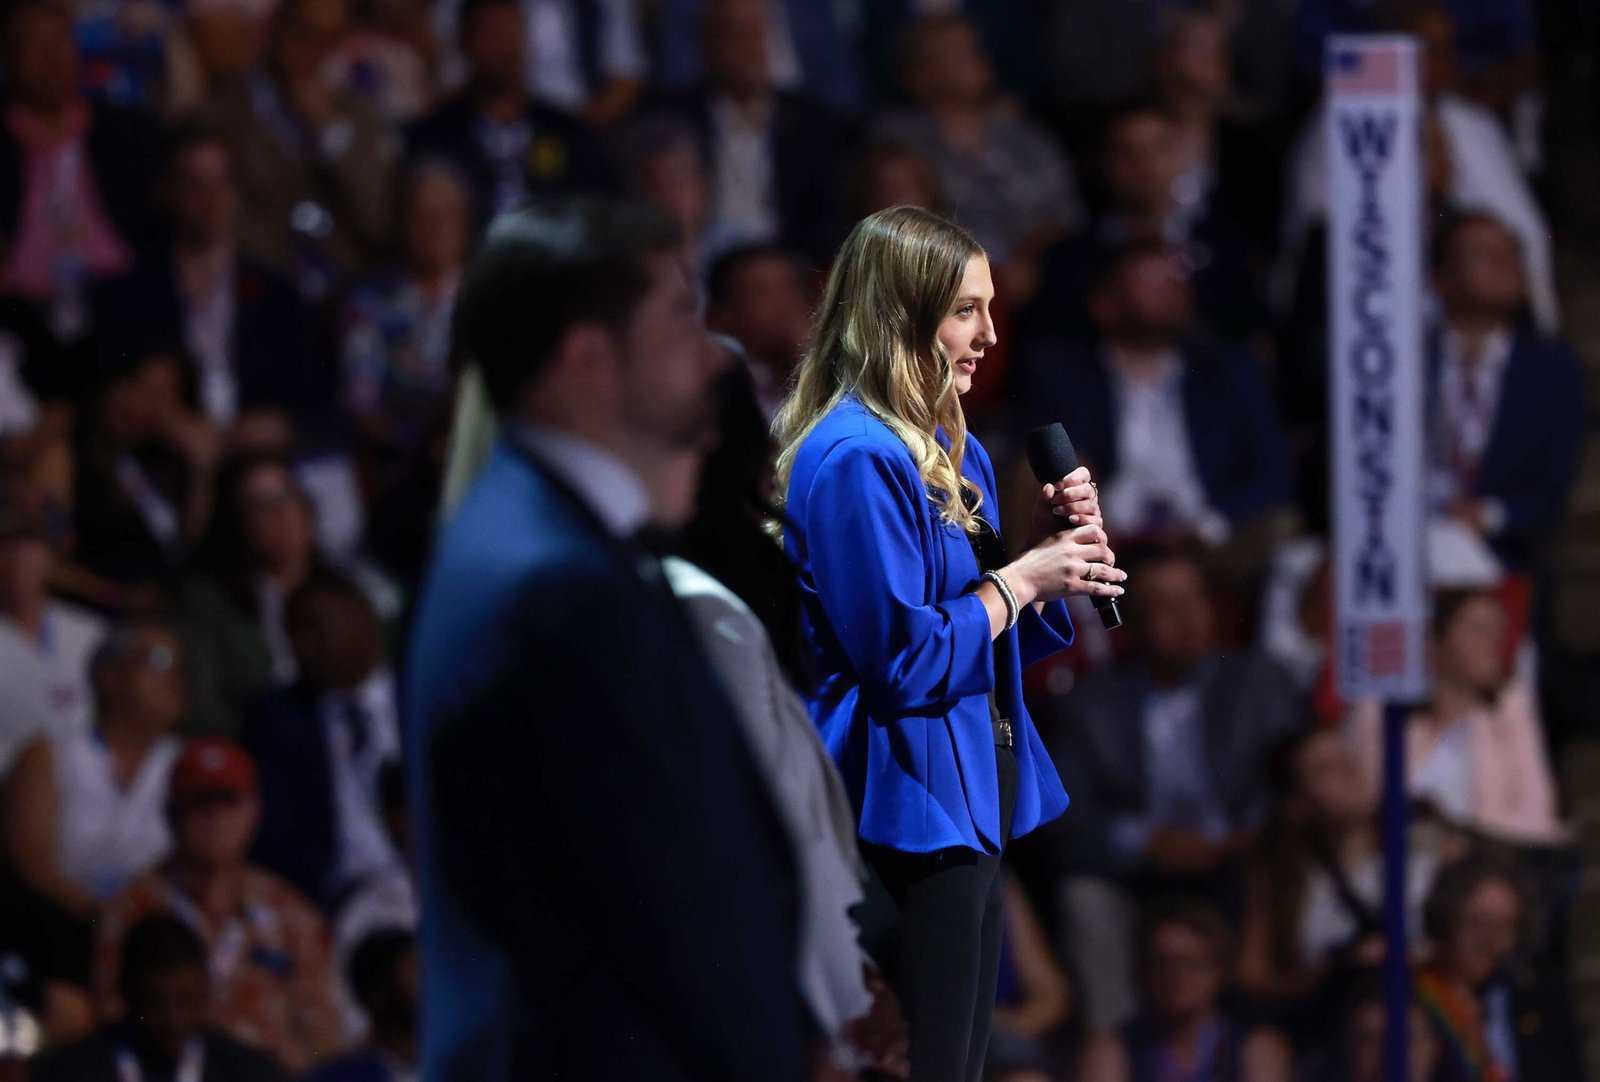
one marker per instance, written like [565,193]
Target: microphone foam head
[1050,453]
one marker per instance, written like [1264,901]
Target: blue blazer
[902,644]
[1239,450]
[606,892]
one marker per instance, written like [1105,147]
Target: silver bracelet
[1013,610]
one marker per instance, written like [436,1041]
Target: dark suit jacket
[122,153]
[279,357]
[1534,441]
[606,892]
[1096,736]
[1232,430]
[299,833]
[565,157]
[809,142]
[94,1059]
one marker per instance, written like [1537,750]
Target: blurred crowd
[233,231]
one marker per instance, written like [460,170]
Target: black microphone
[1051,455]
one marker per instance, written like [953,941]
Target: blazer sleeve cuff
[1041,633]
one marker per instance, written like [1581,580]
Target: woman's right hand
[1076,561]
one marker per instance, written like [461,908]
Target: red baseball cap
[211,766]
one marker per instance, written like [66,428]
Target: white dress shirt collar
[606,485]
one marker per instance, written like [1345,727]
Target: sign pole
[1375,181]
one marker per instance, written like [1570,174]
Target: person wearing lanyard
[919,625]
[164,1035]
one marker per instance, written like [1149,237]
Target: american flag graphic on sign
[1367,68]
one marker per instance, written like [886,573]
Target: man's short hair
[545,269]
[1448,232]
[154,946]
[323,582]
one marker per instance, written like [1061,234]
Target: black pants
[942,949]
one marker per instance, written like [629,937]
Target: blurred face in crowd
[173,1006]
[1183,970]
[967,330]
[1436,31]
[1141,162]
[768,308]
[1176,618]
[1366,1032]
[1482,273]
[1470,650]
[139,403]
[438,223]
[899,179]
[205,200]
[674,179]
[1146,303]
[1329,786]
[1194,65]
[215,830]
[492,40]
[25,564]
[146,685]
[667,362]
[734,44]
[42,58]
[306,33]
[336,639]
[277,522]
[1484,934]
[948,64]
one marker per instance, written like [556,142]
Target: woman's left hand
[1069,503]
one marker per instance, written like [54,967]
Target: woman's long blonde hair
[876,335]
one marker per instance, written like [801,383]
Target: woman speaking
[919,626]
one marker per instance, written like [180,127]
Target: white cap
[1459,558]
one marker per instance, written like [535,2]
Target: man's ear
[586,359]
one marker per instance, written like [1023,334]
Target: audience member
[384,976]
[585,59]
[85,811]
[387,899]
[321,744]
[1477,169]
[164,1034]
[1179,428]
[259,550]
[74,176]
[660,157]
[1314,888]
[1494,1014]
[761,296]
[267,948]
[1164,757]
[311,165]
[1355,1043]
[396,349]
[251,340]
[1507,403]
[1033,999]
[45,644]
[1005,178]
[813,50]
[388,59]
[774,153]
[1183,1030]
[44,975]
[509,147]
[1476,754]
[1140,169]
[892,175]
[1227,158]
[143,463]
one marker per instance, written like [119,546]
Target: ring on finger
[1088,573]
